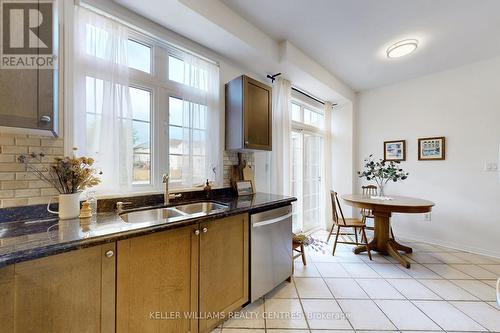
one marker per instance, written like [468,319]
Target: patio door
[307,148]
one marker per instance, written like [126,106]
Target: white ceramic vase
[69,206]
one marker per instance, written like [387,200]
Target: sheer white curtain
[280,155]
[201,122]
[328,162]
[101,98]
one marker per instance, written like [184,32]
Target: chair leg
[367,244]
[303,253]
[330,234]
[336,238]
[356,234]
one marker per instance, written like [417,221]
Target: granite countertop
[30,239]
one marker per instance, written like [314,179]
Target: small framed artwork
[430,149]
[395,150]
[244,187]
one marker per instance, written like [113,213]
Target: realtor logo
[27,34]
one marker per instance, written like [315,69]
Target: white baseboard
[452,245]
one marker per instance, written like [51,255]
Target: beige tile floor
[445,290]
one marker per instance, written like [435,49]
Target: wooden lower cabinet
[68,292]
[175,281]
[223,268]
[157,279]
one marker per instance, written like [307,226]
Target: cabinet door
[69,292]
[157,279]
[223,268]
[257,115]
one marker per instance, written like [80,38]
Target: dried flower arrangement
[68,175]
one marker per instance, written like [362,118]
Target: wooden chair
[341,222]
[299,248]
[370,190]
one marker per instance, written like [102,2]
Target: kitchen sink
[152,215]
[204,207]
[173,214]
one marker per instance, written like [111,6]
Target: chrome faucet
[166,195]
[165,179]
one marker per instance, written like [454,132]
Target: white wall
[463,105]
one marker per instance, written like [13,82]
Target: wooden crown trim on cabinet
[248,114]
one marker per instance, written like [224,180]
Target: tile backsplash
[20,188]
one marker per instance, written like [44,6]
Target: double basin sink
[174,214]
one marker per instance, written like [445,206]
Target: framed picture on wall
[430,149]
[395,150]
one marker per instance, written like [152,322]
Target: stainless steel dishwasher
[270,250]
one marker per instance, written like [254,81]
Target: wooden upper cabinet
[157,276]
[248,115]
[68,292]
[223,268]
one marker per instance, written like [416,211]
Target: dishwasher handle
[275,220]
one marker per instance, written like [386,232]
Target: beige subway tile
[14,202]
[38,184]
[6,194]
[11,167]
[14,184]
[27,142]
[7,176]
[4,158]
[25,176]
[6,140]
[48,192]
[41,200]
[47,150]
[27,193]
[52,143]
[14,150]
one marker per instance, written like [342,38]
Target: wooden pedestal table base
[382,210]
[383,243]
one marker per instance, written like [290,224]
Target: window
[306,114]
[139,56]
[141,134]
[306,150]
[137,123]
[188,74]
[187,137]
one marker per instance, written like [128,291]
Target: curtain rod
[161,40]
[310,96]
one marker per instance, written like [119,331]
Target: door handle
[278,219]
[205,230]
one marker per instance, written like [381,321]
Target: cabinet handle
[109,254]
[205,230]
[247,142]
[45,119]
[197,232]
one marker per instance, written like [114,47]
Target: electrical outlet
[427,217]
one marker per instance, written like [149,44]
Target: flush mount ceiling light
[402,48]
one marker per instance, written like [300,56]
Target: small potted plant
[382,172]
[68,175]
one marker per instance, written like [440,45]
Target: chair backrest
[369,190]
[336,209]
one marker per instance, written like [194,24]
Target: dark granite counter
[29,239]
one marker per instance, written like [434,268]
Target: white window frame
[157,82]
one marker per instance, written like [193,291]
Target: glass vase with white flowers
[382,172]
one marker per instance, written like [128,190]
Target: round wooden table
[382,210]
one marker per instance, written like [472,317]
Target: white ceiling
[349,37]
